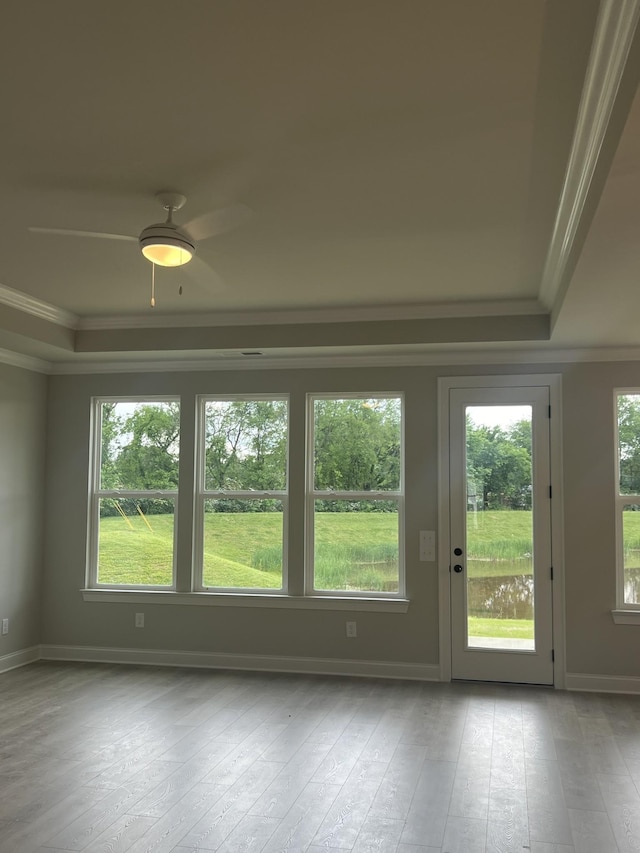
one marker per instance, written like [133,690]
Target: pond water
[504,597]
[511,596]
[632,586]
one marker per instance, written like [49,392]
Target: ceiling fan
[166,243]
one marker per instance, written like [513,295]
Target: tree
[499,465]
[246,448]
[357,445]
[519,434]
[150,459]
[629,443]
[140,451]
[111,428]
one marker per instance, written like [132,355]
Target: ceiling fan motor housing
[166,244]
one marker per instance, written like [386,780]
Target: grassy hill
[243,549]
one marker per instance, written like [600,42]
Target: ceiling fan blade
[218,221]
[69,232]
[202,275]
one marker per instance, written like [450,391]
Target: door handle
[457,568]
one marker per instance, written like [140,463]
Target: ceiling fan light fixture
[166,245]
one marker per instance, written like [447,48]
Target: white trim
[20,658]
[602,683]
[247,599]
[37,308]
[614,32]
[219,361]
[554,383]
[624,613]
[444,533]
[348,314]
[26,362]
[263,663]
[626,617]
[620,502]
[309,505]
[557,531]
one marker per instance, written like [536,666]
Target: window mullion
[129,494]
[356,496]
[183,533]
[218,494]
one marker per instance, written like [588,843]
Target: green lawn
[131,553]
[353,551]
[517,629]
[631,522]
[244,549]
[251,541]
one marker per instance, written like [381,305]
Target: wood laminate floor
[110,759]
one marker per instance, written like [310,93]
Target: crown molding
[26,362]
[613,36]
[153,320]
[44,310]
[487,308]
[518,358]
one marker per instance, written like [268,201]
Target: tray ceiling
[420,175]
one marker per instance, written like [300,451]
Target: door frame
[554,383]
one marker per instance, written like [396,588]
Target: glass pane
[135,544]
[140,445]
[631,550]
[243,544]
[356,546]
[499,527]
[246,444]
[357,444]
[629,443]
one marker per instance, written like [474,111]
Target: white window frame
[96,494]
[203,494]
[312,495]
[625,613]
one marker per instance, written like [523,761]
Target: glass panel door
[499,534]
[501,592]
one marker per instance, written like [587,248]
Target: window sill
[225,599]
[626,617]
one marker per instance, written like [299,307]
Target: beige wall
[594,644]
[22,438]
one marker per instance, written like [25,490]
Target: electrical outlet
[139,620]
[5,626]
[352,629]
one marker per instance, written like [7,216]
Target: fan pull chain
[153,285]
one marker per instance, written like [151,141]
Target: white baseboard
[602,683]
[264,663]
[21,658]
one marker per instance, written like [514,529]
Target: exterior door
[500,534]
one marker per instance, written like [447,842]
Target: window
[242,493]
[230,487]
[628,499]
[134,492]
[354,495]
